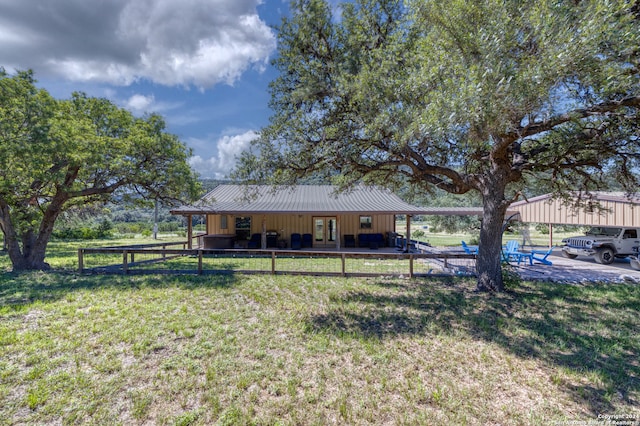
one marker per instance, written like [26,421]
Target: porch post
[189,232]
[263,241]
[408,240]
[338,232]
[550,235]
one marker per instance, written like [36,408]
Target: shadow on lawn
[588,329]
[18,290]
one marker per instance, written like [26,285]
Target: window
[365,222]
[223,222]
[243,227]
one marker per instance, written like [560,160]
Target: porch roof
[308,199]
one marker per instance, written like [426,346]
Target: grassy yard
[292,350]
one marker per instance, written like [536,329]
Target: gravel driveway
[578,270]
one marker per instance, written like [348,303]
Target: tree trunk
[30,254]
[488,266]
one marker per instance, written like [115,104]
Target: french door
[325,232]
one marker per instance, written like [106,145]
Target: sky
[204,65]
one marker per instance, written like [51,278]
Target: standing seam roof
[299,199]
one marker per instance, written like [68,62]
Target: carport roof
[617,209]
[309,199]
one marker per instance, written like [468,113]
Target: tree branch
[599,109]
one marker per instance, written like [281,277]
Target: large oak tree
[57,154]
[481,96]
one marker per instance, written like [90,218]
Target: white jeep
[604,243]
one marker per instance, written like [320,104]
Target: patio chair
[511,251]
[469,249]
[541,256]
[255,241]
[296,241]
[349,240]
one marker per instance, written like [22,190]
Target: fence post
[125,265]
[343,257]
[273,262]
[410,266]
[80,260]
[199,262]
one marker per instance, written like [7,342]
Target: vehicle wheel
[568,255]
[635,264]
[605,256]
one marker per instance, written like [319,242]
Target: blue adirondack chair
[469,249]
[511,252]
[541,256]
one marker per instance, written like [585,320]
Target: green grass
[64,254]
[441,239]
[301,350]
[293,350]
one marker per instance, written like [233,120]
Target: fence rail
[160,258]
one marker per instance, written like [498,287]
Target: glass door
[325,232]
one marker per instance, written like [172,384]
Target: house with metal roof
[303,216]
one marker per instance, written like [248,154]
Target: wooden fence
[163,258]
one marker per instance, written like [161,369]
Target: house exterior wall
[286,224]
[553,211]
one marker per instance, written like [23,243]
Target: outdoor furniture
[307,241]
[520,256]
[218,241]
[255,241]
[511,252]
[272,239]
[469,249]
[296,241]
[372,241]
[541,256]
[349,240]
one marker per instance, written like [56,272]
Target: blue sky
[202,64]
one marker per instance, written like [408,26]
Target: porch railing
[164,258]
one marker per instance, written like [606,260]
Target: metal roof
[618,197]
[309,199]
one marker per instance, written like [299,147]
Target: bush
[102,230]
[418,233]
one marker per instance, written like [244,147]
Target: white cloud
[140,103]
[220,165]
[188,43]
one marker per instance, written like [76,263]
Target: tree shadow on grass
[587,329]
[18,290]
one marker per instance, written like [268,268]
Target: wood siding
[286,224]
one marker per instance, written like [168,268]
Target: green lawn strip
[240,349]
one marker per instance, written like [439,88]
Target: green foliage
[510,277]
[59,154]
[419,233]
[486,96]
[102,230]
